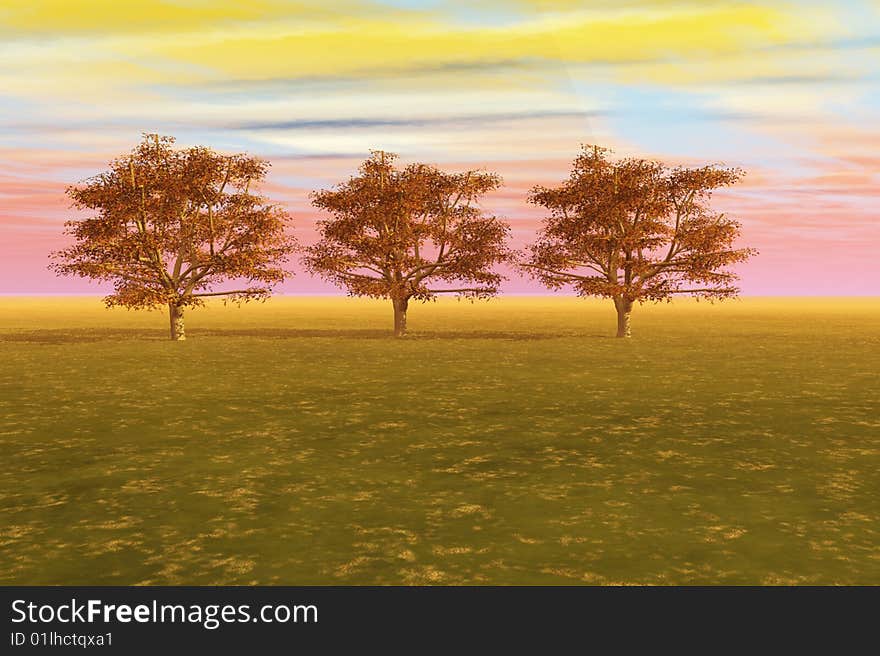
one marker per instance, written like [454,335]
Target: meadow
[509,442]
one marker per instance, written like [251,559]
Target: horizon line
[517,295]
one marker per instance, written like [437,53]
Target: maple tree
[635,230]
[169,225]
[409,233]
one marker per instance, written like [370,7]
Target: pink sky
[814,238]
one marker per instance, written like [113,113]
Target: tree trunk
[624,309]
[178,334]
[400,306]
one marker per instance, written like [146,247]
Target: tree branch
[560,274]
[236,291]
[707,289]
[459,291]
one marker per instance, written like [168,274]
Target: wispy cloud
[360,124]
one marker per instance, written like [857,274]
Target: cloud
[413,122]
[361,44]
[53,18]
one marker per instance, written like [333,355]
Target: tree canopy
[170,225]
[635,230]
[409,233]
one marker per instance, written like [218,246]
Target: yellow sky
[153,41]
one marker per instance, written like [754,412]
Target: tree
[635,230]
[170,225]
[397,234]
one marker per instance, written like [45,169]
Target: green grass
[514,441]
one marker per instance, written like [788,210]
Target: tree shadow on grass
[387,335]
[83,335]
[89,335]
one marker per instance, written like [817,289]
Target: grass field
[514,441]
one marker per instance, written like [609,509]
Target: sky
[789,91]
